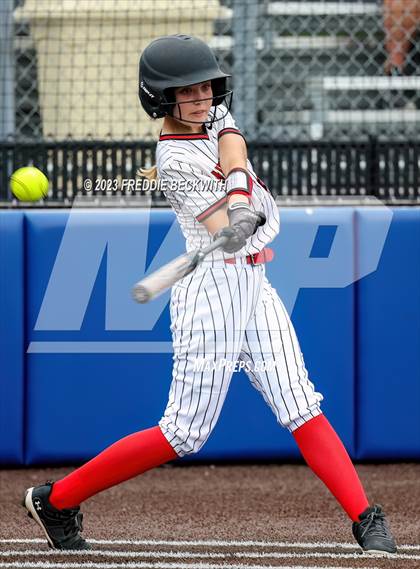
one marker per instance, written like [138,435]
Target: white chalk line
[195,555]
[132,554]
[215,543]
[47,565]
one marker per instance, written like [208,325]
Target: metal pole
[244,29]
[7,69]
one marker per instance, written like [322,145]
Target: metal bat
[156,283]
[153,285]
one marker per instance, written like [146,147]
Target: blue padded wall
[93,399]
[315,251]
[12,423]
[82,365]
[82,402]
[388,409]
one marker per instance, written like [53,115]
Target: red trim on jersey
[261,183]
[195,136]
[214,207]
[217,174]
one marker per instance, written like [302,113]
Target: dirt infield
[206,517]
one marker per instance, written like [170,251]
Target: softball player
[224,315]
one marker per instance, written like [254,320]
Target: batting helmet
[177,61]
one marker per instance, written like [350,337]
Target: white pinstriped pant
[222,314]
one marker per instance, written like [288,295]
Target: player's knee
[192,447]
[303,418]
[185,444]
[183,441]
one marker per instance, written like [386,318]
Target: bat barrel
[157,282]
[141,294]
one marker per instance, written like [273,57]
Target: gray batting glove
[241,214]
[236,238]
[243,223]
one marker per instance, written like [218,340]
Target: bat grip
[215,245]
[222,240]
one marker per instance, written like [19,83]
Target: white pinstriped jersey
[224,313]
[192,181]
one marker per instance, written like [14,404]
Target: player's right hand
[236,238]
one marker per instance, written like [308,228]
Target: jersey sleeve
[191,189]
[225,123]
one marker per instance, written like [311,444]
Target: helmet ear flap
[219,90]
[150,101]
[169,95]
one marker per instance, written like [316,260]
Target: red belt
[264,256]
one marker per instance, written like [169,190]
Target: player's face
[194,102]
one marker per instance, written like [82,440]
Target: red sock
[123,460]
[326,456]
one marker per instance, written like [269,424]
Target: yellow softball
[29,184]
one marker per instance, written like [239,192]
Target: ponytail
[149,173]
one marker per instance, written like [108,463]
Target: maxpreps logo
[87,305]
[317,248]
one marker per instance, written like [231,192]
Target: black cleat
[372,532]
[61,527]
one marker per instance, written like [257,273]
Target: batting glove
[243,223]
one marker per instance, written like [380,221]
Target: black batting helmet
[177,61]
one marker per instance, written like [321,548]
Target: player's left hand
[240,214]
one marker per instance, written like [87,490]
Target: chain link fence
[327,92]
[301,70]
